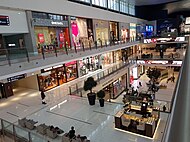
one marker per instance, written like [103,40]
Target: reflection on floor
[162,97]
[94,122]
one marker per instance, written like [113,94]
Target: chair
[65,138]
[51,134]
[21,122]
[29,125]
[42,129]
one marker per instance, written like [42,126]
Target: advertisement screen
[149,28]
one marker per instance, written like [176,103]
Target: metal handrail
[45,52]
[177,129]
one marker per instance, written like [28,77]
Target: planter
[91,98]
[101,102]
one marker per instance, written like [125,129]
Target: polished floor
[93,121]
[65,111]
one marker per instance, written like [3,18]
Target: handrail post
[90,45]
[8,58]
[96,44]
[83,46]
[42,49]
[55,49]
[27,56]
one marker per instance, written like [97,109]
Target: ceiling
[150,2]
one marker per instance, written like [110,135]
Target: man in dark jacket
[43,97]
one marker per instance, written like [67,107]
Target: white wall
[18,23]
[69,8]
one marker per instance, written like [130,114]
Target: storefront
[88,64]
[57,75]
[132,31]
[114,89]
[114,31]
[124,31]
[101,31]
[50,31]
[51,77]
[71,70]
[117,56]
[82,32]
[107,58]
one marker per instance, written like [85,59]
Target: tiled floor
[65,111]
[94,122]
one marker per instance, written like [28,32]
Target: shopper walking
[164,108]
[43,97]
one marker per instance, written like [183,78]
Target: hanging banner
[41,38]
[61,37]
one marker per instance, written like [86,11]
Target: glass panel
[102,3]
[131,9]
[8,126]
[88,1]
[36,138]
[113,4]
[124,6]
[21,133]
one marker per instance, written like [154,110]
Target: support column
[29,39]
[78,69]
[128,77]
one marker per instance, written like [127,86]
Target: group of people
[172,79]
[72,135]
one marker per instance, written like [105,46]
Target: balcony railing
[10,56]
[178,126]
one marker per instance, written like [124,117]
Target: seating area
[50,131]
[77,138]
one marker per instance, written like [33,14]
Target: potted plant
[88,85]
[101,95]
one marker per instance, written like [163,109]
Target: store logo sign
[56,23]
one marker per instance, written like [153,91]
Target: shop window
[48,80]
[71,70]
[61,76]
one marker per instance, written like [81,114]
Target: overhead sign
[4,20]
[15,78]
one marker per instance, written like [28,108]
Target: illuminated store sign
[4,20]
[15,78]
[56,23]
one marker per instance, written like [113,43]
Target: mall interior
[94,71]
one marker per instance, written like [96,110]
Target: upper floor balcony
[17,61]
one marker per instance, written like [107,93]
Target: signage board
[15,78]
[4,20]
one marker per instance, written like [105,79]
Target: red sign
[131,79]
[41,38]
[61,37]
[70,63]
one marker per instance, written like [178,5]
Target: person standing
[72,133]
[164,108]
[43,97]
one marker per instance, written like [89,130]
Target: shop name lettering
[57,23]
